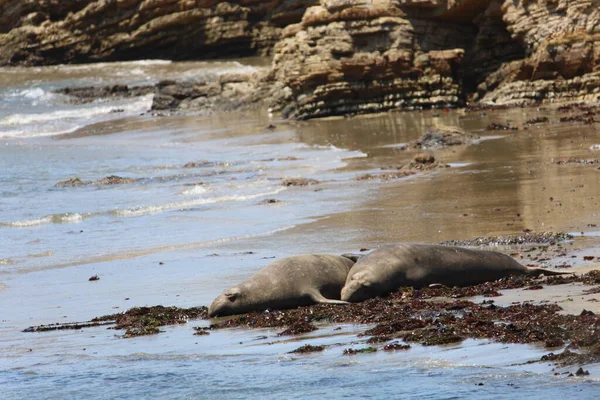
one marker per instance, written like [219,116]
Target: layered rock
[331,57]
[356,56]
[227,92]
[367,56]
[562,61]
[73,31]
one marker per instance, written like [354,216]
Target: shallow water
[180,235]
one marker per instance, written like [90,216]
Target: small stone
[424,158]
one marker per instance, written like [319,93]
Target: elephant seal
[288,283]
[391,267]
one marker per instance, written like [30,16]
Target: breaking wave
[66,218]
[155,209]
[67,120]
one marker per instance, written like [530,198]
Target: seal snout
[223,304]
[352,291]
[217,307]
[357,288]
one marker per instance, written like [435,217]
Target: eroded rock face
[332,57]
[360,56]
[562,60]
[75,31]
[357,56]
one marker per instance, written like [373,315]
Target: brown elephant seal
[418,265]
[288,283]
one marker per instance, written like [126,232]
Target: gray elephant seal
[391,267]
[288,283]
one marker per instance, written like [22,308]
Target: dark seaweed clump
[395,346]
[307,348]
[140,321]
[350,352]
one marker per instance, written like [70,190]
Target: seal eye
[231,296]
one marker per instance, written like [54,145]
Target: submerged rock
[80,95]
[299,182]
[422,162]
[109,180]
[71,182]
[442,136]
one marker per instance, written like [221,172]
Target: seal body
[288,283]
[418,265]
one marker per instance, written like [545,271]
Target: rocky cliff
[335,57]
[561,39]
[355,56]
[75,31]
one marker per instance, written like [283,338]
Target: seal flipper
[319,298]
[545,272]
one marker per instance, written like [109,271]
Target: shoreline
[514,293]
[530,192]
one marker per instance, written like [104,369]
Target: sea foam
[155,209]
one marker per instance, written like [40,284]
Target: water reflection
[510,184]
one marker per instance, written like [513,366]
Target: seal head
[359,288]
[227,303]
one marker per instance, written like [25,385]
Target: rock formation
[74,31]
[366,56]
[356,56]
[331,57]
[562,60]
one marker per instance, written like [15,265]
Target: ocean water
[180,235]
